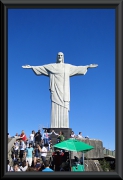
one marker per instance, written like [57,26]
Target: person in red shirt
[23,137]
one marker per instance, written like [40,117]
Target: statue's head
[60,57]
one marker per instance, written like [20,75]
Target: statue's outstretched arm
[92,65]
[27,66]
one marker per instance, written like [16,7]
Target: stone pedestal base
[66,131]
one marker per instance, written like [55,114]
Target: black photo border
[115,4]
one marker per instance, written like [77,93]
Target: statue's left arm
[80,70]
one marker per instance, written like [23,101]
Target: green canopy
[74,145]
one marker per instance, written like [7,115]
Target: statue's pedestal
[66,131]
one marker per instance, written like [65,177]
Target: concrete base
[66,131]
[96,153]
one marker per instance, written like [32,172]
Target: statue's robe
[60,74]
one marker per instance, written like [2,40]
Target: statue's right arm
[27,66]
[38,70]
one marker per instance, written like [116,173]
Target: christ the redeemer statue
[59,74]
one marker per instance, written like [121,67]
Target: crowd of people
[29,154]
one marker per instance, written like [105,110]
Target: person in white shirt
[43,152]
[80,135]
[9,168]
[72,135]
[24,166]
[16,147]
[46,137]
[16,167]
[22,148]
[31,138]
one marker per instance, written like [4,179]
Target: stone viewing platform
[91,158]
[97,152]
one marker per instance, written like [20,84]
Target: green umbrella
[74,145]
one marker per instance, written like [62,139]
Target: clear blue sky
[85,36]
